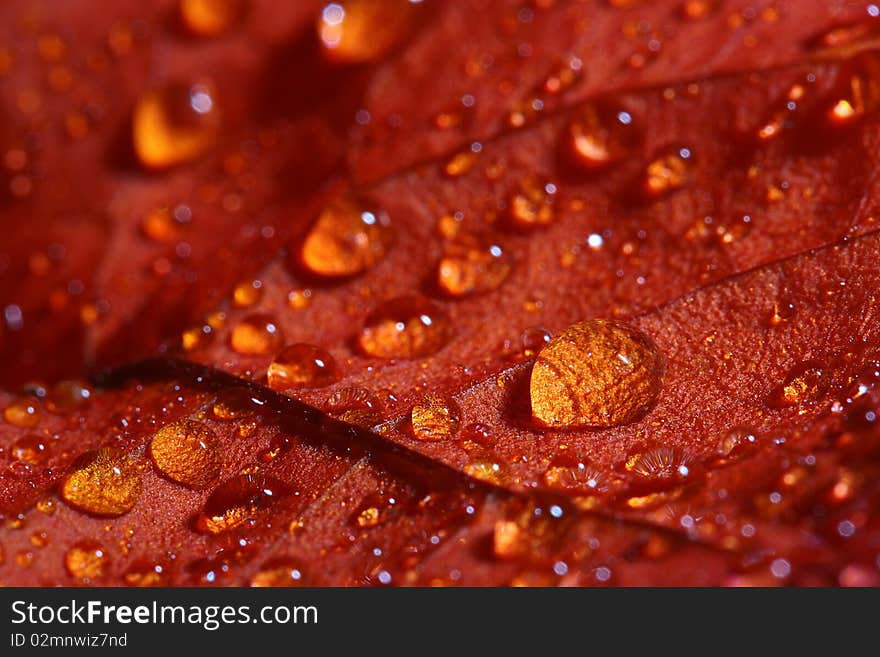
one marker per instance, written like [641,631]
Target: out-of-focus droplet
[23,413]
[356,406]
[599,136]
[31,450]
[359,31]
[598,373]
[736,443]
[247,294]
[239,500]
[187,452]
[161,226]
[668,171]
[106,484]
[860,95]
[299,299]
[488,471]
[283,572]
[435,418]
[843,36]
[532,205]
[534,339]
[210,18]
[86,560]
[696,10]
[405,327]
[67,396]
[570,473]
[471,267]
[460,163]
[256,335]
[145,572]
[174,125]
[302,366]
[783,310]
[804,384]
[346,239]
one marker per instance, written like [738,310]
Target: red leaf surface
[730,220]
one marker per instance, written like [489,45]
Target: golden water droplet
[669,171]
[358,31]
[187,452]
[804,384]
[666,463]
[174,125]
[39,539]
[598,373]
[346,239]
[861,96]
[32,450]
[435,418]
[405,327]
[569,473]
[108,484]
[247,294]
[161,226]
[696,10]
[487,471]
[469,267]
[299,299]
[599,136]
[195,337]
[460,163]
[256,335]
[356,406]
[282,572]
[531,206]
[477,434]
[211,17]
[145,573]
[47,506]
[237,501]
[86,560]
[22,413]
[302,366]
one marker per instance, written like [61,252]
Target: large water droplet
[302,366]
[106,484]
[239,500]
[435,418]
[405,327]
[470,267]
[256,335]
[187,452]
[598,373]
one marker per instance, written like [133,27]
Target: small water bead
[479,434]
[67,396]
[87,560]
[356,406]
[299,299]
[404,327]
[460,163]
[487,471]
[471,267]
[302,366]
[736,443]
[47,506]
[569,473]
[106,484]
[598,373]
[600,135]
[668,171]
[32,450]
[360,31]
[22,413]
[804,384]
[660,463]
[346,239]
[247,294]
[257,334]
[239,500]
[534,339]
[531,205]
[208,18]
[280,572]
[145,573]
[174,125]
[435,417]
[861,95]
[783,310]
[187,452]
[234,404]
[696,10]
[841,36]
[161,226]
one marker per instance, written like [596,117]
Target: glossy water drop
[359,31]
[210,18]
[173,125]
[478,434]
[187,452]
[31,450]
[534,339]
[598,373]
[488,471]
[280,572]
[346,239]
[783,310]
[470,267]
[696,10]
[736,443]
[435,418]
[234,404]
[405,327]
[68,396]
[106,484]
[239,500]
[531,205]
[257,334]
[860,96]
[302,366]
[569,473]
[356,406]
[599,136]
[86,560]
[146,572]
[660,463]
[247,294]
[668,171]
[804,384]
[23,413]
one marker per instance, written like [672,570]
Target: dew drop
[234,404]
[346,239]
[599,136]
[668,171]
[598,373]
[660,463]
[257,334]
[736,443]
[435,418]
[469,267]
[404,327]
[106,484]
[356,406]
[145,573]
[479,434]
[31,450]
[280,572]
[160,226]
[567,472]
[239,500]
[22,413]
[208,18]
[534,339]
[531,205]
[783,310]
[173,125]
[86,560]
[302,366]
[488,471]
[359,31]
[247,294]
[68,396]
[697,10]
[804,384]
[187,452]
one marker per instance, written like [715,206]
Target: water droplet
[247,294]
[346,239]
[47,506]
[256,335]
[668,171]
[737,443]
[405,327]
[843,35]
[534,339]
[280,572]
[239,500]
[356,406]
[696,10]
[106,484]
[173,125]
[479,434]
[31,450]
[67,396]
[460,163]
[804,384]
[22,413]
[208,18]
[187,452]
[488,471]
[531,206]
[599,136]
[783,310]
[598,373]
[86,560]
[234,404]
[570,473]
[470,267]
[659,463]
[161,226]
[145,572]
[302,366]
[860,95]
[358,31]
[299,299]
[435,418]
